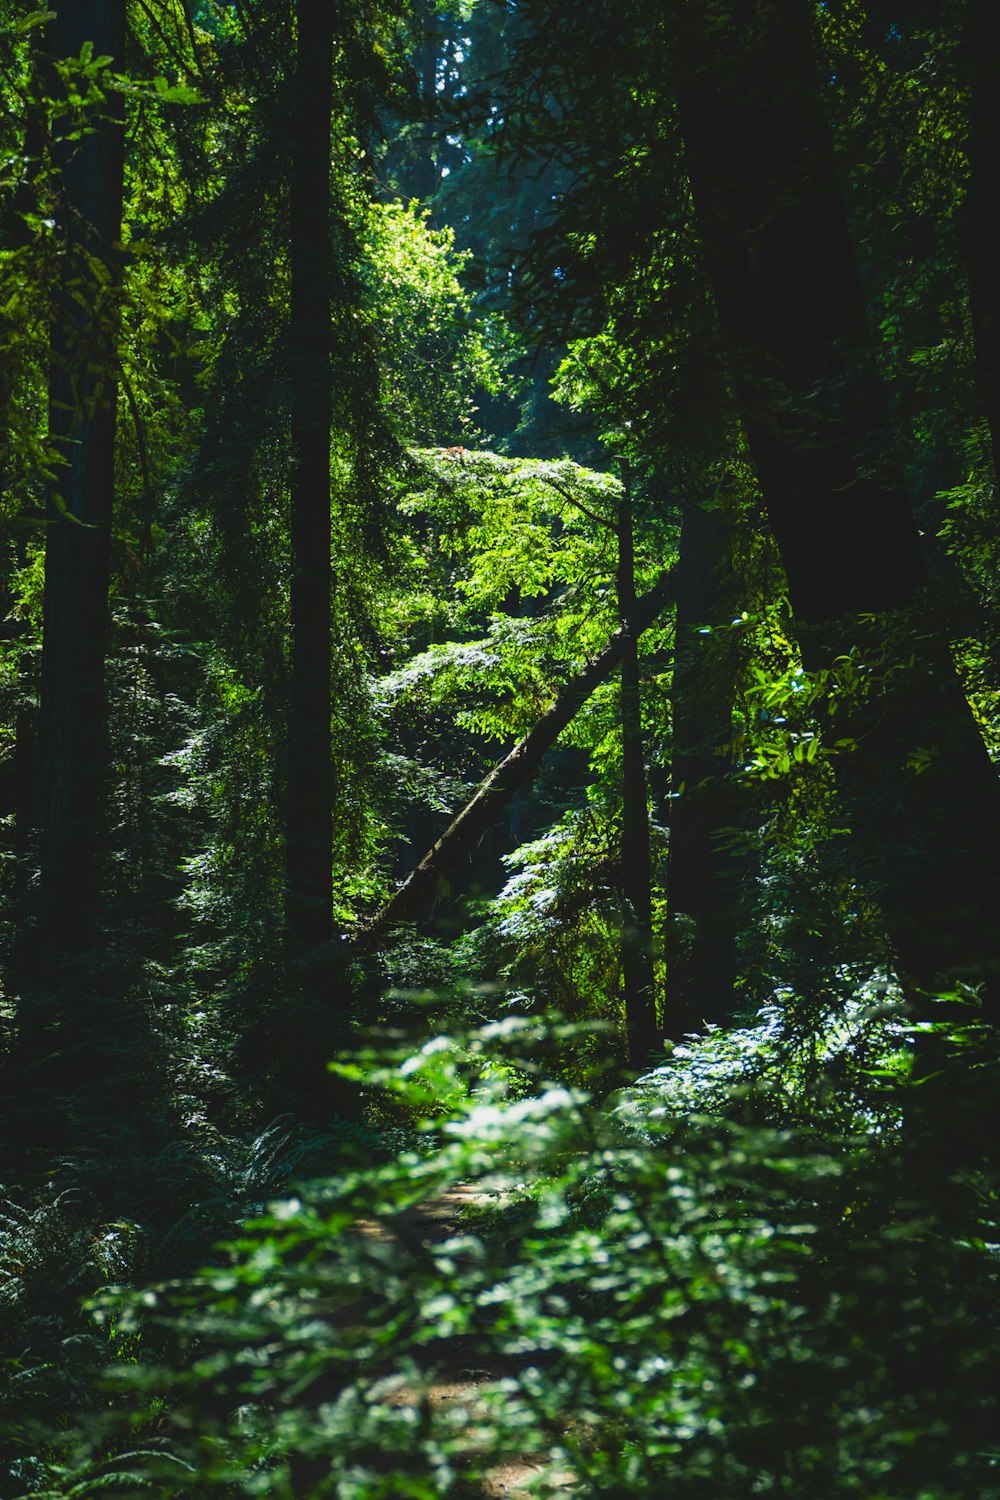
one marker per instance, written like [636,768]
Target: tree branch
[572,500]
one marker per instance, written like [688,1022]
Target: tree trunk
[72,731]
[64,1051]
[982,204]
[636,874]
[310,791]
[420,890]
[702,878]
[790,304]
[25,757]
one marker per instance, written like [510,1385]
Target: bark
[636,874]
[982,205]
[20,789]
[420,890]
[72,730]
[25,756]
[791,308]
[702,876]
[17,770]
[310,790]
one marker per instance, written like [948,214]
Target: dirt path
[460,1375]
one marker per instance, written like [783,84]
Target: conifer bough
[421,889]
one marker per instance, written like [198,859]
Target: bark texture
[310,790]
[702,874]
[636,873]
[72,730]
[791,308]
[982,205]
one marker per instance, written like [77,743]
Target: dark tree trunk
[310,792]
[790,304]
[20,786]
[982,205]
[25,758]
[702,872]
[636,876]
[72,731]
[421,889]
[63,1058]
[17,771]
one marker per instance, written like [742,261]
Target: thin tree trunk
[636,874]
[17,237]
[790,303]
[421,889]
[72,731]
[702,876]
[310,791]
[25,757]
[17,771]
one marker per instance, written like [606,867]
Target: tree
[309,828]
[981,50]
[424,884]
[617,378]
[703,876]
[88,154]
[636,877]
[792,311]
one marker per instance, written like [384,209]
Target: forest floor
[461,1372]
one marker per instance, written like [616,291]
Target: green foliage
[553,933]
[433,355]
[530,546]
[808,1062]
[49,1259]
[769,1267]
[646,1298]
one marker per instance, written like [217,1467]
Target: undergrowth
[656,1299]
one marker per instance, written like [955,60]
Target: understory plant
[641,1300]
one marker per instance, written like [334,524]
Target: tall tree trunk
[310,791]
[72,731]
[67,1032]
[637,904]
[982,205]
[789,299]
[17,771]
[25,757]
[17,237]
[702,874]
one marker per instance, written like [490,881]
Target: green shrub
[647,1303]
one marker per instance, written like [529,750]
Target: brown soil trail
[461,1372]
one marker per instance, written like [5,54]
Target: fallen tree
[419,892]
[428,879]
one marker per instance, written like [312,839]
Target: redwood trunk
[72,730]
[702,878]
[791,308]
[982,206]
[310,792]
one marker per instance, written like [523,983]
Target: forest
[499,723]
